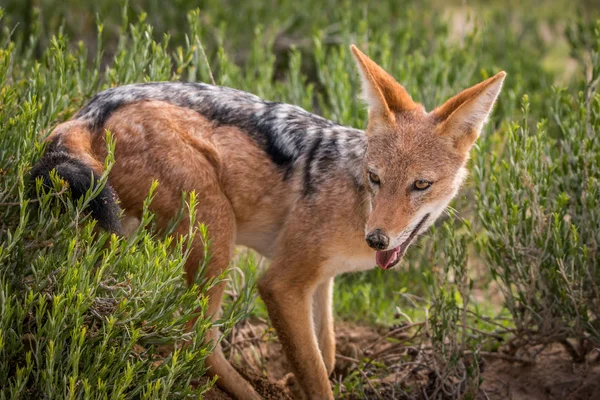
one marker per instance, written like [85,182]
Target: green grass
[56,270]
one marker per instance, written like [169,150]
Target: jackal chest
[352,260]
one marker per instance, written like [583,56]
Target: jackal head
[415,160]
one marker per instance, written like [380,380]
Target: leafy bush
[84,315]
[538,204]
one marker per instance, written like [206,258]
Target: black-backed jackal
[315,197]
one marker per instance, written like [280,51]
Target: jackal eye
[374,178]
[421,184]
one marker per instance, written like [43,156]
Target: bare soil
[256,353]
[553,376]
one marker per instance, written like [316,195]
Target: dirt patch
[552,376]
[269,390]
[397,373]
[254,346]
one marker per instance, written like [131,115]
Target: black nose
[377,240]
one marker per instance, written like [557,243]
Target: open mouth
[388,258]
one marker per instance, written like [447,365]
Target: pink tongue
[385,258]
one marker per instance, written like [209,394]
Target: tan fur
[243,199]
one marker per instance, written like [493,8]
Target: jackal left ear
[383,94]
[464,115]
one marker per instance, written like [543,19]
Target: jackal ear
[464,115]
[380,90]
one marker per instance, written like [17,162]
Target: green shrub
[84,315]
[539,206]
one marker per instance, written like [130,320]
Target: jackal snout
[377,239]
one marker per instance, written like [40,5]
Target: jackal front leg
[287,289]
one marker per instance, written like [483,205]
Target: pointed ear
[383,94]
[464,115]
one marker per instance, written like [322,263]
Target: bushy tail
[80,177]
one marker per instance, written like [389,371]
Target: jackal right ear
[463,116]
[381,91]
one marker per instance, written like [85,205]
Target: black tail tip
[80,177]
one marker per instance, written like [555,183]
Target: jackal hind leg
[323,318]
[214,210]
